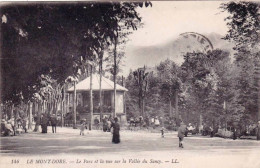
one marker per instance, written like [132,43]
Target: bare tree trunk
[74,107]
[12,111]
[258,82]
[91,99]
[37,115]
[115,72]
[123,84]
[63,107]
[100,91]
[30,116]
[143,103]
[37,122]
[176,105]
[170,114]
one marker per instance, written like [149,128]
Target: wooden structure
[83,98]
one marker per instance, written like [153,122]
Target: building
[83,98]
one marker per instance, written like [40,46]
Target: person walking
[181,133]
[116,129]
[54,122]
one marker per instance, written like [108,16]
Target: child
[82,128]
[162,131]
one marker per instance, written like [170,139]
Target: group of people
[145,122]
[12,126]
[46,120]
[108,125]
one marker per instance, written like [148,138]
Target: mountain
[173,49]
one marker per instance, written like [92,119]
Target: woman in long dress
[116,129]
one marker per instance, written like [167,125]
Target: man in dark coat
[54,122]
[181,133]
[44,123]
[116,129]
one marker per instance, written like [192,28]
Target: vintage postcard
[148,84]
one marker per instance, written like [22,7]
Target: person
[141,119]
[54,122]
[146,121]
[44,123]
[37,122]
[116,129]
[96,122]
[162,132]
[2,126]
[105,124]
[211,132]
[234,133]
[24,123]
[82,128]
[156,122]
[8,128]
[258,131]
[201,128]
[109,124]
[190,129]
[19,122]
[132,121]
[181,132]
[152,122]
[13,125]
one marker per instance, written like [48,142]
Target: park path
[135,146]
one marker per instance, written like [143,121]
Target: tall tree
[141,77]
[170,83]
[244,30]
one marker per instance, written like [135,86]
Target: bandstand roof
[106,84]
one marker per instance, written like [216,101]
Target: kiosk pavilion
[83,99]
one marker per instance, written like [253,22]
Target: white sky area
[165,20]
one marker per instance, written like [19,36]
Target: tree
[170,83]
[48,38]
[141,77]
[206,79]
[244,31]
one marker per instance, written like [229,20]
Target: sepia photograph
[143,84]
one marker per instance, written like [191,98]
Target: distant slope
[174,50]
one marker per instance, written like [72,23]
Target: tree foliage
[49,38]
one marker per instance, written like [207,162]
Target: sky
[166,20]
